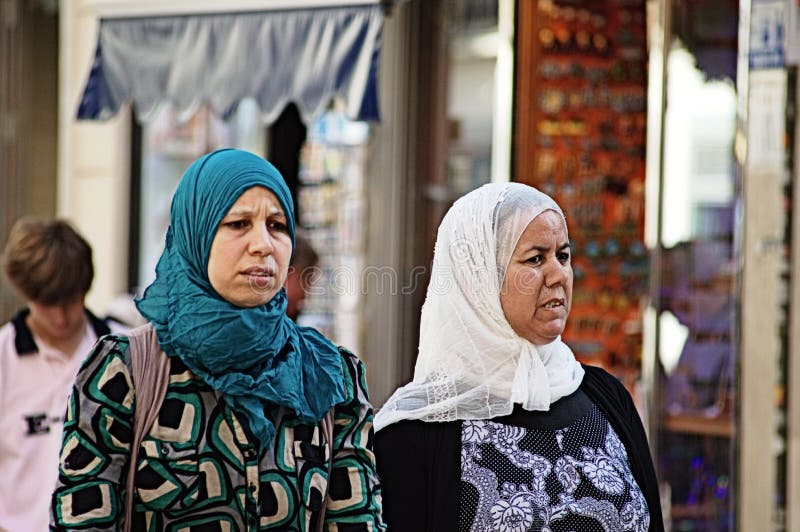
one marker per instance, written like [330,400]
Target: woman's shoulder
[417,430]
[352,366]
[600,377]
[416,441]
[354,374]
[109,344]
[107,348]
[351,362]
[348,356]
[606,389]
[117,338]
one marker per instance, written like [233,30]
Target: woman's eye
[563,257]
[278,226]
[535,259]
[236,224]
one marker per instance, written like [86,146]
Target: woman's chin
[546,337]
[251,299]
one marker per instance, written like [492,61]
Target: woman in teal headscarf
[238,441]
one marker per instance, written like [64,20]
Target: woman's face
[250,253]
[537,291]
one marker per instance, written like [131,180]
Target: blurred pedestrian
[501,428]
[261,425]
[300,276]
[49,265]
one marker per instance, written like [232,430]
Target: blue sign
[767,35]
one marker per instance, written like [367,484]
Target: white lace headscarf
[471,363]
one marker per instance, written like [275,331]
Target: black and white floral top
[528,476]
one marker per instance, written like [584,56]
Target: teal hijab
[255,357]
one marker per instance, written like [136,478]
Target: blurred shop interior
[593,130]
[665,128]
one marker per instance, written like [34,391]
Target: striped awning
[307,56]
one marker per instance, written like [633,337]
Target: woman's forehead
[254,198]
[538,216]
[551,216]
[546,223]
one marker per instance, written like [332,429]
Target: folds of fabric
[303,56]
[254,356]
[471,363]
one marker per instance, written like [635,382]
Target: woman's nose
[554,274]
[260,240]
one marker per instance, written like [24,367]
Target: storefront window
[473,45]
[332,204]
[697,347]
[697,351]
[169,143]
[479,74]
[580,136]
[330,192]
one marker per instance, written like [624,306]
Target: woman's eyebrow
[545,248]
[246,211]
[240,212]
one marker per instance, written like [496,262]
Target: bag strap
[327,428]
[150,374]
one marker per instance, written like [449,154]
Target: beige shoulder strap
[150,373]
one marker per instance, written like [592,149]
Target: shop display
[332,206]
[589,152]
[697,288]
[169,145]
[582,139]
[696,461]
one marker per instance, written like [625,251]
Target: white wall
[94,160]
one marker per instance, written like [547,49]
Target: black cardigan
[419,463]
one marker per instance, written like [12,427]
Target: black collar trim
[23,337]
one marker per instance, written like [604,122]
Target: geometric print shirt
[199,468]
[570,477]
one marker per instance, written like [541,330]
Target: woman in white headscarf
[501,428]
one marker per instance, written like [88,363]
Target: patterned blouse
[576,477]
[200,468]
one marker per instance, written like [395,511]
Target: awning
[303,56]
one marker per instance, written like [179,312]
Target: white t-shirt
[34,390]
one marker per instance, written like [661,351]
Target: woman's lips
[260,277]
[553,305]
